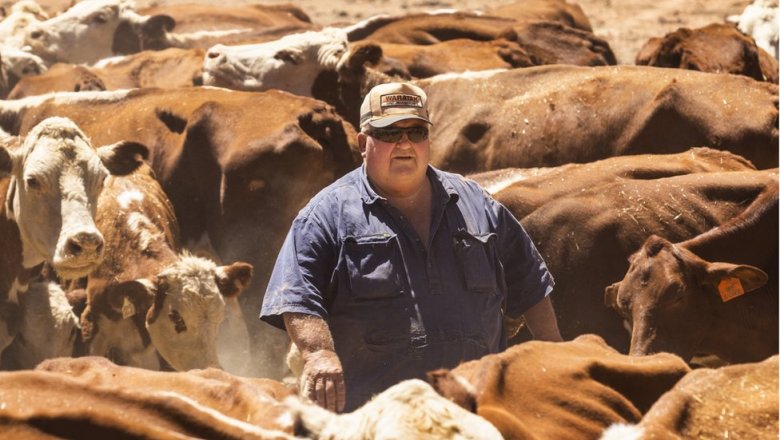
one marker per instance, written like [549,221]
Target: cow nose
[84,242]
[213,54]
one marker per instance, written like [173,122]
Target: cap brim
[389,120]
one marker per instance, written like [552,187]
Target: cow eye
[33,183]
[99,19]
[178,321]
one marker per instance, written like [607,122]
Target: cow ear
[131,297]
[361,54]
[123,157]
[732,280]
[447,385]
[610,295]
[231,280]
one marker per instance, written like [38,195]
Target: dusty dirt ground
[625,24]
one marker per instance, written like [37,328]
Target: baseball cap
[389,103]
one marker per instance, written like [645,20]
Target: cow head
[17,64]
[291,63]
[57,177]
[668,296]
[87,32]
[187,308]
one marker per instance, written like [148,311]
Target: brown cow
[716,293]
[235,172]
[548,41]
[200,26]
[561,11]
[551,115]
[523,190]
[45,405]
[738,401]
[586,236]
[164,68]
[457,55]
[717,48]
[252,400]
[144,298]
[547,390]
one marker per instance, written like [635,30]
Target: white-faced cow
[145,298]
[92,30]
[409,409]
[49,187]
[715,293]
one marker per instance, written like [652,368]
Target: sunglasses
[395,134]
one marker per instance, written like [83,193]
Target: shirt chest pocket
[476,258]
[375,266]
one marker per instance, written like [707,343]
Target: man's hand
[323,380]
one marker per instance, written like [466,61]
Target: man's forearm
[541,321]
[309,333]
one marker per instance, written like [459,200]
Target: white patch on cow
[48,326]
[144,230]
[409,409]
[499,180]
[17,289]
[761,21]
[62,98]
[128,197]
[248,429]
[620,431]
[465,384]
[469,75]
[191,39]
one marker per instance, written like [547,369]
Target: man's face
[396,168]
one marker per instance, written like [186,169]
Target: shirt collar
[441,186]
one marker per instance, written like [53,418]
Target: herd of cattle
[152,159]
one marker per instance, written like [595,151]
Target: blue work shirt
[395,309]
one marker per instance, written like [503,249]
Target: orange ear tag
[730,288]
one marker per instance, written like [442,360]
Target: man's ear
[361,137]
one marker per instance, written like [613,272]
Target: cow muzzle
[79,254]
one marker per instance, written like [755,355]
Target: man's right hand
[323,380]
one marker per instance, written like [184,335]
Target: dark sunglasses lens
[387,134]
[415,134]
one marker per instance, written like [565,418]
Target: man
[397,268]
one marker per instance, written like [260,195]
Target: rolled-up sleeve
[527,278]
[302,272]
